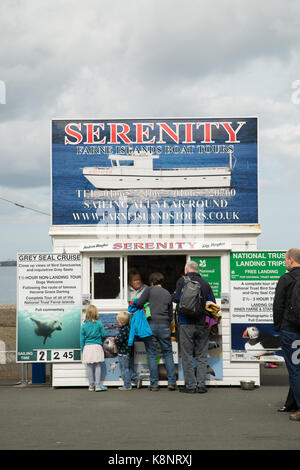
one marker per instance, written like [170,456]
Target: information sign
[48,307]
[253,276]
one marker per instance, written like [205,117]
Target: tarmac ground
[39,417]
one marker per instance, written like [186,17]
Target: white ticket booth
[152,194]
[105,282]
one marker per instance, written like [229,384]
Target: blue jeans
[160,334]
[290,343]
[128,373]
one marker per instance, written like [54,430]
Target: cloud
[25,153]
[175,44]
[134,49]
[110,59]
[35,210]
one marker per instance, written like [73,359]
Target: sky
[154,58]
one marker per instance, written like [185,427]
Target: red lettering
[162,245]
[207,131]
[188,132]
[165,127]
[128,246]
[114,133]
[117,246]
[77,135]
[141,132]
[139,246]
[149,246]
[91,133]
[231,133]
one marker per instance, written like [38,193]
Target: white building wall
[240,238]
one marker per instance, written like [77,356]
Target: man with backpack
[286,318]
[191,294]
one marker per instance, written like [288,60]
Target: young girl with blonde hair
[92,333]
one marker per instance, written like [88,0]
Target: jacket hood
[193,275]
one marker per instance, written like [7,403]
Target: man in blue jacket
[193,336]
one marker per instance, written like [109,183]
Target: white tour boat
[136,172]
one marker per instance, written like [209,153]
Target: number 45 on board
[60,355]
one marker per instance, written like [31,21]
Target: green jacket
[91,333]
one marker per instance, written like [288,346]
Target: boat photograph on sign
[137,171]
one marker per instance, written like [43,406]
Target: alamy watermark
[136,217]
[2,92]
[296,354]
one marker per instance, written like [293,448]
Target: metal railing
[11,372]
[18,373]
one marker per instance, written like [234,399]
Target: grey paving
[228,418]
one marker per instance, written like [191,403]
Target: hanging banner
[154,171]
[49,307]
[253,278]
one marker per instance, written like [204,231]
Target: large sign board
[48,307]
[253,278]
[154,171]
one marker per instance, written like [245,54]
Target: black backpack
[293,311]
[190,304]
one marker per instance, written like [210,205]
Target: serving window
[171,266]
[106,278]
[109,274]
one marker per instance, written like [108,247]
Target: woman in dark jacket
[161,309]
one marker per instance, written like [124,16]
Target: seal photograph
[46,327]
